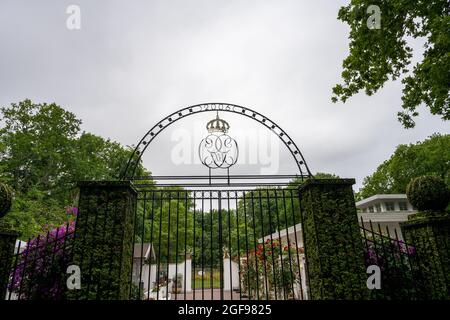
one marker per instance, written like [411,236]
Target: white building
[145,274]
[385,211]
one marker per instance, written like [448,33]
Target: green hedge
[334,250]
[431,264]
[428,193]
[103,246]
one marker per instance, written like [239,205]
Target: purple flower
[40,268]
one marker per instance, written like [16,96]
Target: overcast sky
[134,62]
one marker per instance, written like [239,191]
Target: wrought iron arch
[140,149]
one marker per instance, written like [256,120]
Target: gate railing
[204,241]
[397,260]
[40,265]
[212,242]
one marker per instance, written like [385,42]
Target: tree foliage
[379,55]
[43,154]
[429,157]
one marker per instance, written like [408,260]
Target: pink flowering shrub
[271,271]
[394,257]
[40,269]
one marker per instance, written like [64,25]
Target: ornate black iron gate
[238,240]
[235,238]
[219,237]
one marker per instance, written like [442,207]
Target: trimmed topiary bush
[5,199]
[428,193]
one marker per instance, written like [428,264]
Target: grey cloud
[132,63]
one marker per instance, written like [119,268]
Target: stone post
[429,234]
[103,244]
[333,246]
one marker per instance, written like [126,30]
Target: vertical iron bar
[220,253]
[185,242]
[230,244]
[17,257]
[375,246]
[52,261]
[203,249]
[141,266]
[255,242]
[212,250]
[289,248]
[367,249]
[132,255]
[159,245]
[176,246]
[271,244]
[385,253]
[263,244]
[402,257]
[246,248]
[394,247]
[195,242]
[168,246]
[42,257]
[25,263]
[238,246]
[283,281]
[65,261]
[152,250]
[305,265]
[410,270]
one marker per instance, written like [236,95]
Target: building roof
[380,197]
[282,233]
[381,217]
[143,251]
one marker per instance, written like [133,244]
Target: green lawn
[197,279]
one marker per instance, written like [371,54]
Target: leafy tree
[235,237]
[430,157]
[43,154]
[273,209]
[378,55]
[165,219]
[38,144]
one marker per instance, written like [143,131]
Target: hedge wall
[334,250]
[430,235]
[103,246]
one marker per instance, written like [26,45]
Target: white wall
[230,278]
[151,272]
